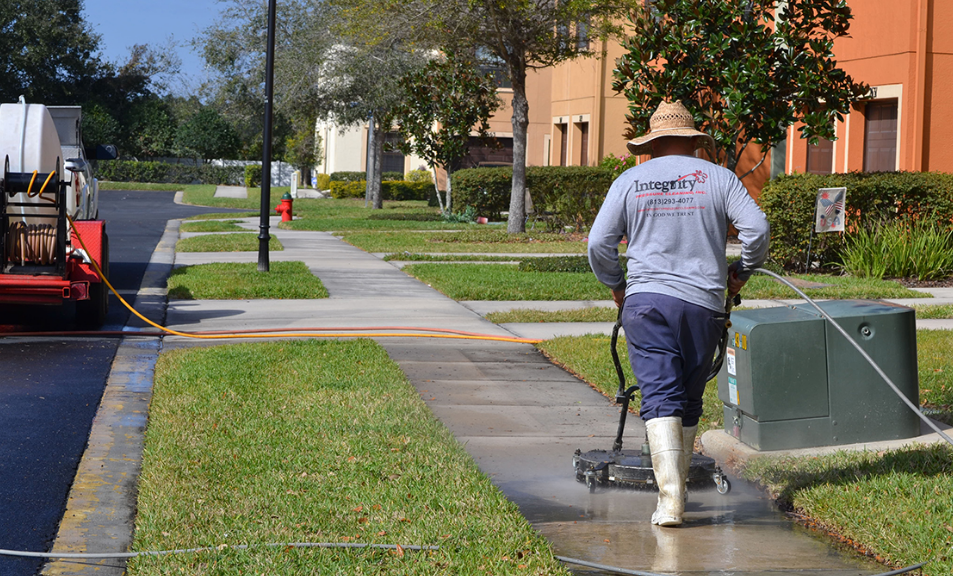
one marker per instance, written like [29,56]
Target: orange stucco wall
[905,47]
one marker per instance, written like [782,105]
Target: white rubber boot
[665,440]
[688,448]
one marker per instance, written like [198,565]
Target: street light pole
[263,237]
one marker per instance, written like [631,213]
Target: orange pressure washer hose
[299,332]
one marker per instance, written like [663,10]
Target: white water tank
[28,139]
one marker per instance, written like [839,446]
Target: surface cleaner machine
[633,468]
[50,233]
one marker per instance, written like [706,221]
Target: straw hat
[670,119]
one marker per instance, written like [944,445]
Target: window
[493,66]
[392,160]
[880,137]
[492,152]
[582,35]
[820,158]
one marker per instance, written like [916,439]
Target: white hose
[866,356]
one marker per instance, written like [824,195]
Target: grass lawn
[205,196]
[222,215]
[410,257]
[841,287]
[935,364]
[486,240]
[194,188]
[314,441]
[500,282]
[350,214]
[212,226]
[934,312]
[230,281]
[238,242]
[894,505]
[600,314]
[495,282]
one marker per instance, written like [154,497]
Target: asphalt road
[50,387]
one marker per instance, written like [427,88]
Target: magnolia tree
[445,102]
[746,69]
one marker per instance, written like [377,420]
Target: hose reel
[24,240]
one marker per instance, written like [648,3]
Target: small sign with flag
[829,213]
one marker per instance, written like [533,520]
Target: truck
[51,238]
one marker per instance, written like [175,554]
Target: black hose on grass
[104,555]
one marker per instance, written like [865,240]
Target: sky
[122,23]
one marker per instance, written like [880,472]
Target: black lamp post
[263,237]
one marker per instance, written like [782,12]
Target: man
[674,210]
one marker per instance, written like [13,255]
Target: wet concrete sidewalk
[520,417]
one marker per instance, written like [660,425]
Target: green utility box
[791,380]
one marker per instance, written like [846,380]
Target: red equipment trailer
[49,232]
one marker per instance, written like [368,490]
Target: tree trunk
[449,172]
[517,219]
[376,198]
[436,189]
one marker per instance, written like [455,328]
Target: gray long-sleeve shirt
[674,211]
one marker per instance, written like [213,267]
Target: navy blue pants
[671,347]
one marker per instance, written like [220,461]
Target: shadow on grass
[788,476]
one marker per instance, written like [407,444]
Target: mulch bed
[914,283]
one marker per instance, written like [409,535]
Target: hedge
[565,195]
[788,201]
[348,176]
[162,172]
[390,190]
[578,263]
[253,175]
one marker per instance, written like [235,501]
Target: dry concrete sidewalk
[518,415]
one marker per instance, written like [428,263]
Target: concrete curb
[101,509]
[730,452]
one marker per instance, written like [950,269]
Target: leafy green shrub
[390,190]
[419,176]
[322,181]
[392,176]
[789,200]
[900,249]
[253,175]
[468,216]
[570,195]
[344,189]
[348,176]
[486,189]
[162,172]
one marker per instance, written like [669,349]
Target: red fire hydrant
[285,207]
